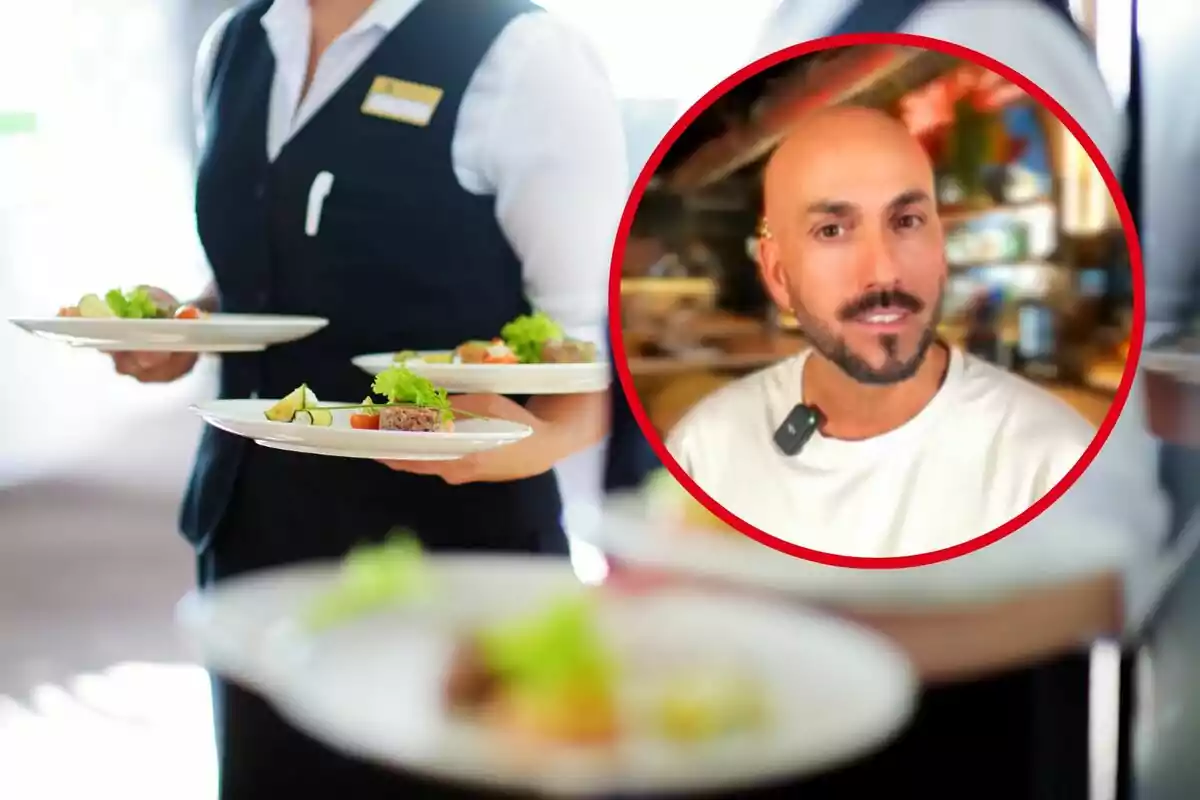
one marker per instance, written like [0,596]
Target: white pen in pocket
[321,187]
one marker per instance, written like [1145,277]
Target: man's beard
[837,350]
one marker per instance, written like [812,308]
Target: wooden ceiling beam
[835,81]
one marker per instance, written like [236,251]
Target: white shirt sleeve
[553,154]
[202,78]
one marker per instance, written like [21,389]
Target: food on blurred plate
[414,404]
[144,302]
[530,339]
[373,578]
[551,679]
[707,703]
[666,498]
[547,677]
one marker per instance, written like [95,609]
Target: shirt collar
[385,14]
[293,15]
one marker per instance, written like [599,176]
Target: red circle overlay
[620,357]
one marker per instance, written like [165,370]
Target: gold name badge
[402,101]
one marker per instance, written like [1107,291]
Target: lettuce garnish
[401,385]
[527,335]
[555,649]
[134,304]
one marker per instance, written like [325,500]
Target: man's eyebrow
[838,208]
[844,208]
[910,198]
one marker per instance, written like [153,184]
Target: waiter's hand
[533,455]
[155,367]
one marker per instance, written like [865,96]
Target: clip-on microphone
[798,428]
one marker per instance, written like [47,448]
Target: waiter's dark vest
[403,258]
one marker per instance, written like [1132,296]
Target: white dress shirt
[539,128]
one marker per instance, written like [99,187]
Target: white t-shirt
[985,449]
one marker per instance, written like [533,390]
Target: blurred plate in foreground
[823,691]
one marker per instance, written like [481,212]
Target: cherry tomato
[365,422]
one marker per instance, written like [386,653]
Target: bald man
[921,446]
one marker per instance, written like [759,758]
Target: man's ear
[772,272]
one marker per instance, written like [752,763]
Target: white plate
[217,333]
[1029,558]
[1183,365]
[159,347]
[373,688]
[509,379]
[227,628]
[246,418]
[338,453]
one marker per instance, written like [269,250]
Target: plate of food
[146,319]
[414,420]
[530,356]
[1177,355]
[662,528]
[504,672]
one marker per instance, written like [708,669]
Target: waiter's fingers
[462,470]
[136,364]
[153,367]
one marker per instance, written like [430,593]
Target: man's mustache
[881,299]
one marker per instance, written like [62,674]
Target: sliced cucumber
[320,417]
[285,410]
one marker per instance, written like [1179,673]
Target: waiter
[419,172]
[1161,182]
[1005,711]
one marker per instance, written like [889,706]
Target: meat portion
[568,352]
[473,352]
[412,419]
[469,685]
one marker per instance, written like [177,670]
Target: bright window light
[664,48]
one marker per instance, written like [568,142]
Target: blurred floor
[97,698]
